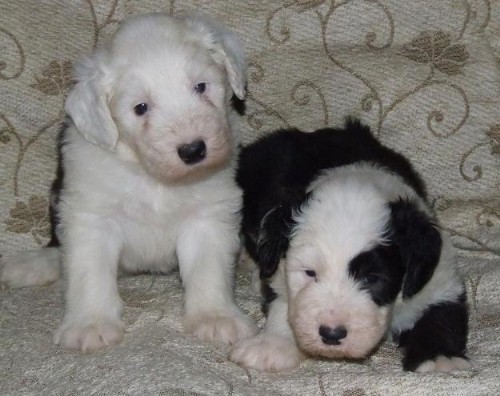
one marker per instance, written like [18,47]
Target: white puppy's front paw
[267,352]
[220,327]
[32,268]
[89,335]
[444,364]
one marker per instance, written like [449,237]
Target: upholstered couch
[424,74]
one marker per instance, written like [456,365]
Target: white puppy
[148,165]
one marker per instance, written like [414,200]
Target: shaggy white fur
[149,169]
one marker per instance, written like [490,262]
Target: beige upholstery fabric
[424,74]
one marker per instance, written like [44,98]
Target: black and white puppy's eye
[141,109]
[369,279]
[310,273]
[200,88]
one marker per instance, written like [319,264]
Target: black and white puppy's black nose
[192,153]
[332,336]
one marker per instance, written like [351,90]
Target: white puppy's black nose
[332,336]
[192,153]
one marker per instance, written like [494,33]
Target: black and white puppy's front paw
[444,364]
[437,341]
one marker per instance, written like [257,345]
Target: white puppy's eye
[310,273]
[141,109]
[200,88]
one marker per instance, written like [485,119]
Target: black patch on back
[275,171]
[378,271]
[442,330]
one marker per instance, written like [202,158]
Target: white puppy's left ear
[234,62]
[224,44]
[87,102]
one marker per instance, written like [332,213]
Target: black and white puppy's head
[360,240]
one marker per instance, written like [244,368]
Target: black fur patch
[380,272]
[55,190]
[239,105]
[419,243]
[268,295]
[442,330]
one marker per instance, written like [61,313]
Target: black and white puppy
[343,234]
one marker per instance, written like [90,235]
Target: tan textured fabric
[424,74]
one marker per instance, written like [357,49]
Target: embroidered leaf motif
[436,48]
[56,78]
[452,60]
[419,49]
[31,217]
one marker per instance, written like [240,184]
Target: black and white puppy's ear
[274,237]
[88,102]
[275,231]
[419,243]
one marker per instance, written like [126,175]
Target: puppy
[343,234]
[148,162]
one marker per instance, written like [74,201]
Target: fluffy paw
[267,353]
[89,336]
[31,268]
[444,364]
[223,328]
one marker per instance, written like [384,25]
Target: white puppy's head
[350,255]
[160,91]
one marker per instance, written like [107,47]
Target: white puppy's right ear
[87,103]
